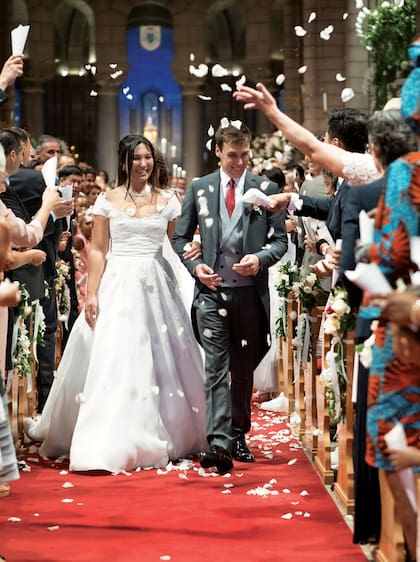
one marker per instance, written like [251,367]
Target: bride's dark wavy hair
[126,148]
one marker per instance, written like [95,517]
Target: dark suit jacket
[30,276]
[360,197]
[29,185]
[256,227]
[328,209]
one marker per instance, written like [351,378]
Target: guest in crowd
[135,327]
[12,69]
[230,311]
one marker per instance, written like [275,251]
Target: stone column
[33,117]
[107,134]
[193,137]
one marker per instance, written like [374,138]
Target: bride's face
[143,163]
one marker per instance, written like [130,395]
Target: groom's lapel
[247,207]
[211,232]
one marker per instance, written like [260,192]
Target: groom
[230,310]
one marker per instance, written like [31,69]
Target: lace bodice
[359,168]
[133,236]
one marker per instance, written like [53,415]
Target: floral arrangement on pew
[338,321]
[288,276]
[32,315]
[62,291]
[306,290]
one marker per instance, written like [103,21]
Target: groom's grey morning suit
[232,323]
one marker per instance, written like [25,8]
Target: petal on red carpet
[274,510]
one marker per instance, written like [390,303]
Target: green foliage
[386,32]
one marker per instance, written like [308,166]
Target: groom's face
[234,158]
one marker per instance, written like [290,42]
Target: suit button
[221,267]
[234,280]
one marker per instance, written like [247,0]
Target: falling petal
[68,485]
[116,74]
[93,93]
[302,69]
[208,144]
[14,519]
[306,514]
[287,516]
[67,500]
[226,492]
[204,98]
[237,124]
[286,491]
[312,17]
[300,32]
[200,192]
[113,65]
[244,343]
[218,71]
[53,528]
[165,557]
[183,476]
[345,16]
[326,33]
[192,57]
[347,94]
[130,96]
[210,132]
[222,312]
[270,232]
[225,87]
[126,90]
[187,247]
[36,514]
[64,472]
[264,185]
[228,485]
[209,222]
[241,81]
[224,297]
[280,79]
[208,333]
[339,77]
[224,122]
[211,188]
[202,202]
[304,493]
[292,461]
[155,389]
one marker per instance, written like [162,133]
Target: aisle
[276,510]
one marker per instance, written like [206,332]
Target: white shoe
[279,404]
[30,426]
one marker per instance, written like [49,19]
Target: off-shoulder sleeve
[22,234]
[173,208]
[359,168]
[102,206]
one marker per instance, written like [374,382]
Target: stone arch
[226,33]
[74,27]
[20,13]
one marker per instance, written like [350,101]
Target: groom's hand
[249,265]
[207,276]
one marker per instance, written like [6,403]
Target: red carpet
[180,516]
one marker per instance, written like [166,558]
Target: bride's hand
[91,310]
[192,251]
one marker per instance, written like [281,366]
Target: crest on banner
[150,37]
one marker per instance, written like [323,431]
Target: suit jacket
[29,185]
[360,197]
[30,276]
[329,209]
[264,233]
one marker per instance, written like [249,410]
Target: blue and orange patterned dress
[394,386]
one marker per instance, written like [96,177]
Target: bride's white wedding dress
[130,392]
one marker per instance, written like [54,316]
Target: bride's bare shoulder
[115,194]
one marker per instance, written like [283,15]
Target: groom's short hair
[232,134]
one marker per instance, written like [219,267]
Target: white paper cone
[396,439]
[49,171]
[66,191]
[256,197]
[370,278]
[366,228]
[18,37]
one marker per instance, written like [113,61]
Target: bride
[129,389]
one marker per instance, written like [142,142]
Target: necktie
[230,197]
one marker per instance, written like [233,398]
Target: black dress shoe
[218,457]
[240,451]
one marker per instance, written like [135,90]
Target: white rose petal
[192,57]
[302,69]
[264,185]
[187,247]
[210,132]
[304,493]
[347,94]
[226,492]
[224,297]
[280,79]
[164,328]
[222,312]
[225,87]
[209,222]
[93,93]
[312,17]
[54,528]
[339,77]
[68,485]
[292,461]
[241,81]
[286,491]
[237,124]
[306,514]
[224,122]
[204,98]
[165,557]
[14,519]
[326,33]
[218,71]
[67,500]
[345,16]
[300,32]
[202,202]
[80,398]
[287,516]
[270,232]
[207,333]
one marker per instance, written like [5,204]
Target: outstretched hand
[258,98]
[12,69]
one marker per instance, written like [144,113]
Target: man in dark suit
[230,310]
[29,186]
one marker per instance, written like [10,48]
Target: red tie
[230,197]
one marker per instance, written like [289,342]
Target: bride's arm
[96,264]
[328,155]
